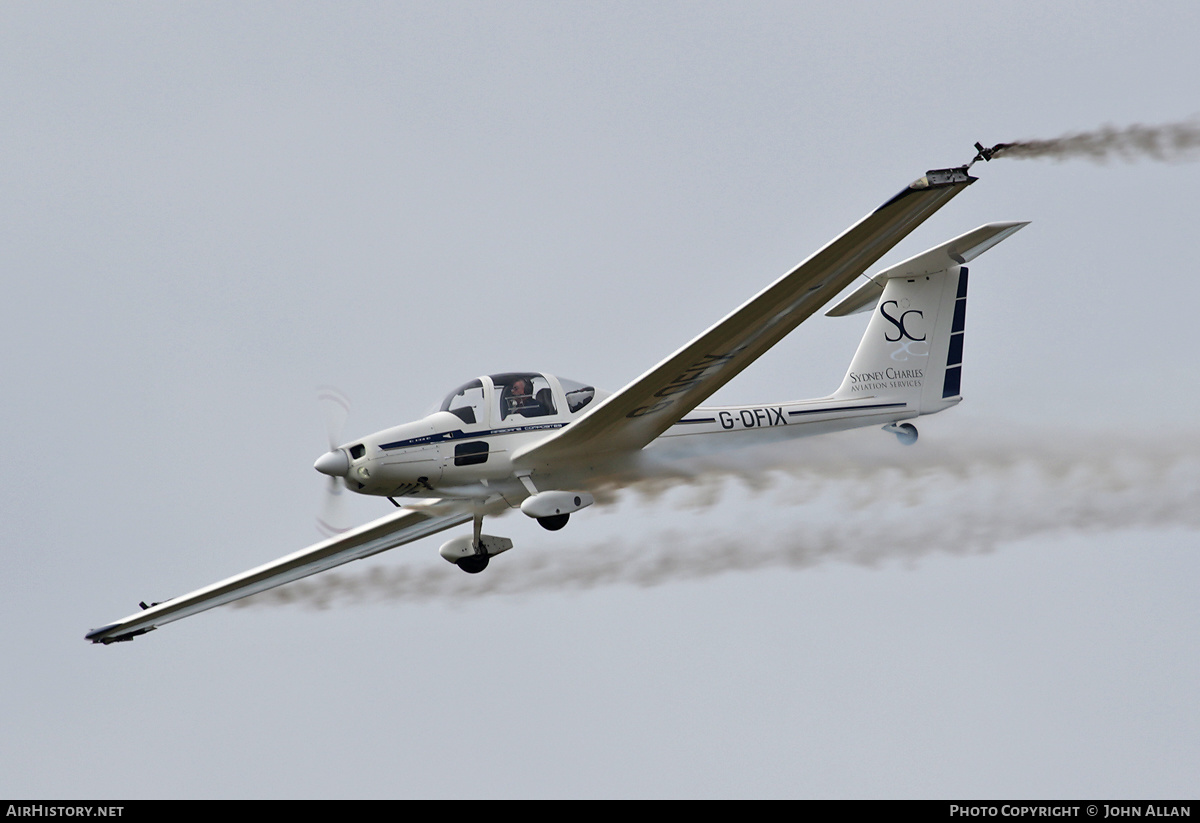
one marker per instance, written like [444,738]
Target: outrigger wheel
[906,433]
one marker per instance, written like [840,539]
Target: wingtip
[102,634]
[98,635]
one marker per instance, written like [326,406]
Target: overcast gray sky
[210,209]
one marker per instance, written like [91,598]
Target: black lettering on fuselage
[754,418]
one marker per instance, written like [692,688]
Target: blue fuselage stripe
[849,408]
[459,434]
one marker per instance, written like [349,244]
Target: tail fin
[912,350]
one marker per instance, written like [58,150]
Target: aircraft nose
[333,463]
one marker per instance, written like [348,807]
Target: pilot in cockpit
[518,398]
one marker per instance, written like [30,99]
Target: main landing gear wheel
[554,522]
[474,564]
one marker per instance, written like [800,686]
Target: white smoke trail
[831,499]
[1170,142]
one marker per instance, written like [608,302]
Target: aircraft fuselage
[444,456]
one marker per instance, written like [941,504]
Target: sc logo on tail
[902,331]
[904,335]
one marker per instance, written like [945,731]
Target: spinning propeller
[335,408]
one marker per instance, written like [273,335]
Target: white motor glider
[537,442]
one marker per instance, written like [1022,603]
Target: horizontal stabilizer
[960,250]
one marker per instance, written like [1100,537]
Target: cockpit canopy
[505,399]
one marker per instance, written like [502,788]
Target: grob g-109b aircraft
[537,442]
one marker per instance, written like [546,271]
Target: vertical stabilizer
[907,347]
[912,351]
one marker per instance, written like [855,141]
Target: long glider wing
[396,529]
[637,414]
